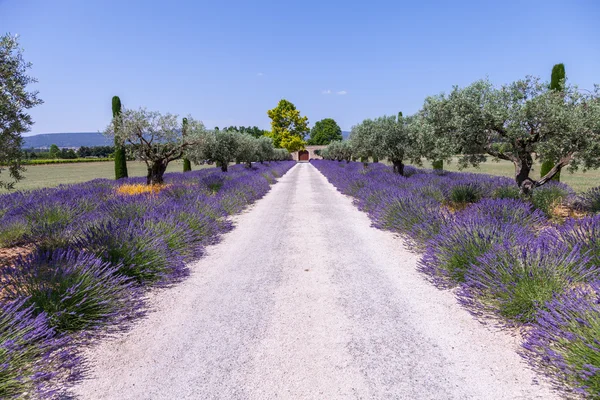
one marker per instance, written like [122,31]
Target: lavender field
[513,261]
[78,261]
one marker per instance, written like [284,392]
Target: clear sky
[228,62]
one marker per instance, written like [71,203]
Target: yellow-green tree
[288,127]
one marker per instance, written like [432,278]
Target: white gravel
[305,300]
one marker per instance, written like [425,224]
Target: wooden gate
[303,155]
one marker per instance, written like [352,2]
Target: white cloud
[342,92]
[326,91]
[260,74]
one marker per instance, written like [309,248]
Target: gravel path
[304,300]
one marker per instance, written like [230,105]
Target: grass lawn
[40,176]
[579,181]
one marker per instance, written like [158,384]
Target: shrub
[51,221]
[177,235]
[14,231]
[505,211]
[549,196]
[507,192]
[139,253]
[75,290]
[213,182]
[465,193]
[516,282]
[455,250]
[418,217]
[591,200]
[30,358]
[564,339]
[583,234]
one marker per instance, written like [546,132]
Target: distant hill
[78,139]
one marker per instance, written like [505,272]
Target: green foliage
[54,151]
[438,165]
[247,149]
[557,83]
[397,140]
[13,233]
[155,138]
[337,151]
[558,77]
[507,192]
[288,127]
[120,156]
[187,165]
[15,100]
[517,122]
[465,194]
[548,197]
[545,169]
[253,131]
[325,132]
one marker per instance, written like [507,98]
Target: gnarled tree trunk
[398,167]
[156,172]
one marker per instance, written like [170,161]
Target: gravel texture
[305,300]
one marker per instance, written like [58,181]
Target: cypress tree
[557,82]
[187,165]
[120,158]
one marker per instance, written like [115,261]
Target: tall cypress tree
[120,158]
[187,165]
[557,82]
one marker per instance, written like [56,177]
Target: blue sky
[228,62]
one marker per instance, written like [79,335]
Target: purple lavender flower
[32,357]
[565,339]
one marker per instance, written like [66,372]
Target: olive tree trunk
[398,167]
[156,172]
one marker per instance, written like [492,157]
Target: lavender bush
[515,282]
[591,200]
[565,339]
[32,356]
[74,289]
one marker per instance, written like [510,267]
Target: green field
[40,176]
[579,181]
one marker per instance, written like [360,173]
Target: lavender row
[507,257]
[92,251]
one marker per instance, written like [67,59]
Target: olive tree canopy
[520,122]
[15,100]
[396,139]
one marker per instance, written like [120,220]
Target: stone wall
[311,152]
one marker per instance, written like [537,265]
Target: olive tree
[219,146]
[15,100]
[362,140]
[265,149]
[396,139]
[435,136]
[338,150]
[155,138]
[247,149]
[520,122]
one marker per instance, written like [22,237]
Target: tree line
[160,138]
[556,123]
